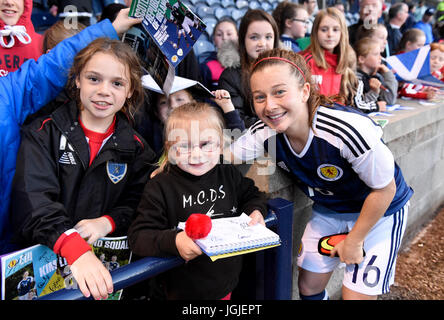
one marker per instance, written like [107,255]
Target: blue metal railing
[275,265]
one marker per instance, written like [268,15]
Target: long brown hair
[411,35]
[251,16]
[301,71]
[345,53]
[122,52]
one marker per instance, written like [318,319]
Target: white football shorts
[376,273]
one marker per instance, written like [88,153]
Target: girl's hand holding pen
[223,100]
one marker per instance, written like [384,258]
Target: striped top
[342,161]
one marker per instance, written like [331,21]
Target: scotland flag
[414,67]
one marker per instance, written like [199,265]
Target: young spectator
[292,20]
[81,171]
[411,40]
[29,88]
[257,32]
[377,34]
[397,15]
[19,41]
[311,6]
[370,12]
[426,26]
[192,170]
[437,60]
[330,57]
[211,67]
[354,181]
[380,86]
[150,121]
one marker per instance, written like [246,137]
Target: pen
[384,88]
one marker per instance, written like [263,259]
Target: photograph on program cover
[154,61]
[31,273]
[36,271]
[172,25]
[114,253]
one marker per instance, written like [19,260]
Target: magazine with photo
[153,60]
[36,271]
[171,24]
[233,236]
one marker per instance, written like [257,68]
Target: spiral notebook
[233,236]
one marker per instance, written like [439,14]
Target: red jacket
[12,58]
[328,80]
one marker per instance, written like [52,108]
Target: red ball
[198,226]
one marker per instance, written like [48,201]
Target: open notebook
[233,236]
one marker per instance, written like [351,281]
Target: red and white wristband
[71,245]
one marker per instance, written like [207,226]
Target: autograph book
[233,236]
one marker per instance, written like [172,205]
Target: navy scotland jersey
[342,161]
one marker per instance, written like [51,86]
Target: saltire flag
[414,67]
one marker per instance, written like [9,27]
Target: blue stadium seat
[241,4]
[204,10]
[237,15]
[213,3]
[204,36]
[210,22]
[266,6]
[230,9]
[274,4]
[226,3]
[189,4]
[221,12]
[254,5]
[202,46]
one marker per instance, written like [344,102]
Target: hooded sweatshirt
[328,80]
[19,42]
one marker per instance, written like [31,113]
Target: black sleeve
[150,234]
[227,82]
[234,121]
[36,215]
[189,67]
[231,81]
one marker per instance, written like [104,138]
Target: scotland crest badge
[116,171]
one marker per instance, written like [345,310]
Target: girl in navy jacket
[32,86]
[81,172]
